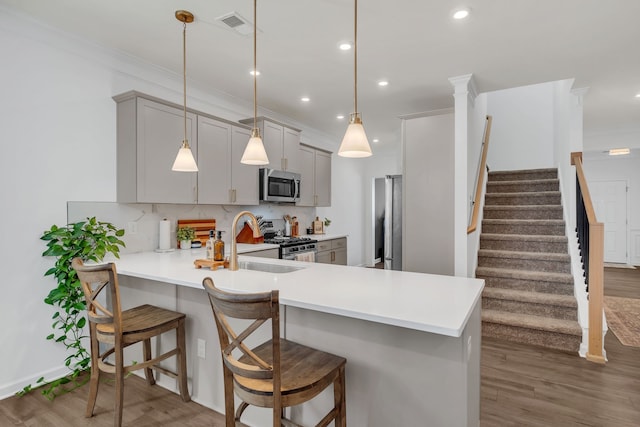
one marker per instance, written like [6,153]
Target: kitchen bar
[412,340]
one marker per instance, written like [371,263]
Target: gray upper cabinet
[222,179]
[149,135]
[244,178]
[315,189]
[150,132]
[281,143]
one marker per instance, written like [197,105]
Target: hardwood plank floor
[525,385]
[145,406]
[521,386]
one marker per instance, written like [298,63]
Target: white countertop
[425,302]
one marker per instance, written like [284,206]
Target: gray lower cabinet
[332,251]
[266,253]
[315,188]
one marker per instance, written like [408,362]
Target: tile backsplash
[141,221]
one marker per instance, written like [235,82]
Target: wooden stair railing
[480,181]
[591,241]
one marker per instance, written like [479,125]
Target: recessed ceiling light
[305,99]
[383,83]
[461,13]
[339,117]
[619,151]
[252,72]
[345,45]
[376,140]
[637,95]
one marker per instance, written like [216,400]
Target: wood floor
[529,386]
[521,386]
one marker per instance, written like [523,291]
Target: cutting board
[201,226]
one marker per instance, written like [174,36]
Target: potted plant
[326,223]
[185,235]
[90,240]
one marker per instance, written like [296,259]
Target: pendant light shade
[185,161]
[254,153]
[355,143]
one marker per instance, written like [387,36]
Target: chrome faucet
[233,258]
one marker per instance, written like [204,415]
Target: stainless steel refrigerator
[393,223]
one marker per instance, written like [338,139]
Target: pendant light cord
[184,79]
[355,58]
[255,69]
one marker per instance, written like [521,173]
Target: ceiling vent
[234,21]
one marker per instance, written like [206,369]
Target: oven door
[304,252]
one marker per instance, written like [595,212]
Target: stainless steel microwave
[279,186]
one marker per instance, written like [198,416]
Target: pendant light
[184,160]
[254,153]
[354,143]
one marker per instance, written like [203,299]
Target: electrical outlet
[132,227]
[202,345]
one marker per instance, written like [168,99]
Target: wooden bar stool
[119,329]
[276,374]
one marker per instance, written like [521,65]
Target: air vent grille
[234,21]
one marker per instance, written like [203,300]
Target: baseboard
[10,389]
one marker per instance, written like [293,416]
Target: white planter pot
[185,244]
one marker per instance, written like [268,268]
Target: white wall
[564,105]
[58,121]
[523,128]
[428,228]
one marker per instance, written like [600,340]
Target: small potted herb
[185,235]
[326,223]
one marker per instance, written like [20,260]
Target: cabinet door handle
[315,200]
[234,195]
[285,164]
[231,195]
[333,256]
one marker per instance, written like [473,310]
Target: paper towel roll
[164,235]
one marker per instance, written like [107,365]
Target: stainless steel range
[296,248]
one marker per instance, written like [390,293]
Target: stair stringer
[579,283]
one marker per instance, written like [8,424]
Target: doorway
[378,220]
[610,203]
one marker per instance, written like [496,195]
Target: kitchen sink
[267,268]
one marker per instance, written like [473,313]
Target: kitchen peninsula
[412,341]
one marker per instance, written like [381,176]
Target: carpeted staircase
[524,260]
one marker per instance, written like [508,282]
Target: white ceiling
[412,43]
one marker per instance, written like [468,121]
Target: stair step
[538,227]
[523,198]
[532,303]
[546,332]
[529,261]
[548,282]
[526,174]
[523,212]
[523,186]
[524,242]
